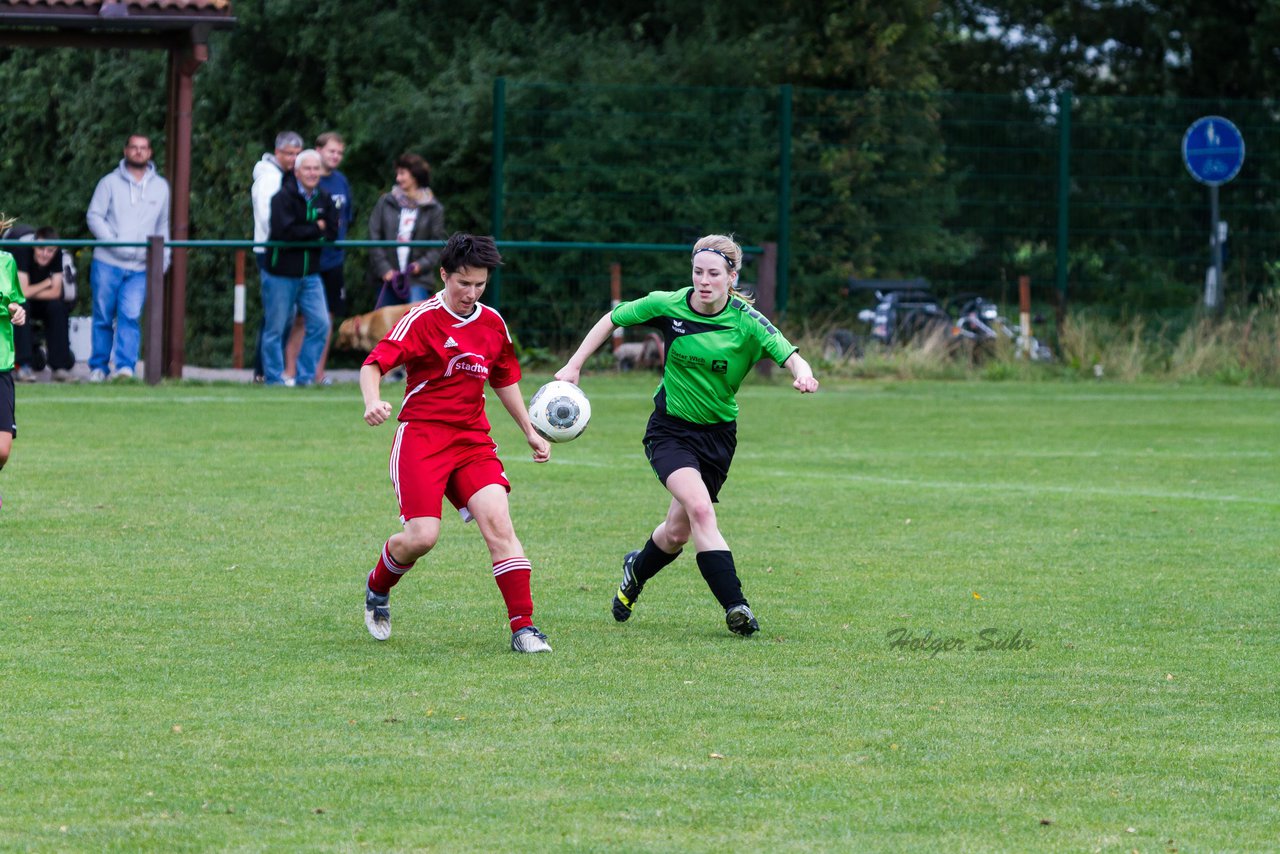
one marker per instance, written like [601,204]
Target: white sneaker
[26,375]
[529,639]
[290,382]
[123,374]
[97,375]
[62,375]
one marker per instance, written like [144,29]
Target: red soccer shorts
[430,462]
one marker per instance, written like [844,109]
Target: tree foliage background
[876,193]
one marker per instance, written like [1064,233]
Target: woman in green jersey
[11,314]
[713,337]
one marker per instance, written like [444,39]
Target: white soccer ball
[559,411]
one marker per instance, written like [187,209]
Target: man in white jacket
[130,204]
[267,175]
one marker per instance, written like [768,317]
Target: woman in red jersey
[450,346]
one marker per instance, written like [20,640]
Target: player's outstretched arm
[599,334]
[802,374]
[376,410]
[514,402]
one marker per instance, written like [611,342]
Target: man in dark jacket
[300,212]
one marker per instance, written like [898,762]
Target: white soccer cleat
[529,639]
[377,614]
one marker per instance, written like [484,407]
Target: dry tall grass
[1242,347]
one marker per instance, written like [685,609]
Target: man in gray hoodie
[130,204]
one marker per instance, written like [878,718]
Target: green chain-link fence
[1088,196]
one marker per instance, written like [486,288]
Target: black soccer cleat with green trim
[628,591]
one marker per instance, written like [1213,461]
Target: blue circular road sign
[1213,150]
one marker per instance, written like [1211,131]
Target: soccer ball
[559,411]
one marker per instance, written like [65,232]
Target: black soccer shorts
[672,443]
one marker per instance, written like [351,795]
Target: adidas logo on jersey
[449,342]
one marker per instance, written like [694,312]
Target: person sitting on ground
[40,277]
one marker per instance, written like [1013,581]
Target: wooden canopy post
[183,63]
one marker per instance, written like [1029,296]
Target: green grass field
[184,665]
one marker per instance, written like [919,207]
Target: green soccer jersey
[9,292]
[707,355]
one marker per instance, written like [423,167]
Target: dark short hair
[469,250]
[329,136]
[418,167]
[46,232]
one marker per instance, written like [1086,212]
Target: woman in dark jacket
[409,212]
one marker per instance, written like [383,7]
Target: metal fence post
[155,309]
[767,293]
[784,194]
[496,197]
[615,298]
[1064,190]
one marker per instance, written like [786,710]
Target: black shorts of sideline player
[8,408]
[713,337]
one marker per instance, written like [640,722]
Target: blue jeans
[118,295]
[282,296]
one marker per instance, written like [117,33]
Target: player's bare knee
[416,544]
[503,544]
[702,515]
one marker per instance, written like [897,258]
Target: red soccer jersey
[448,359]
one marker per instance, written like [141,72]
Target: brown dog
[363,331]
[640,354]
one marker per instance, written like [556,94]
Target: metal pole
[1064,191]
[496,196]
[784,194]
[155,309]
[615,297]
[1213,282]
[766,295]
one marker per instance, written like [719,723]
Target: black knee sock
[651,561]
[722,577]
